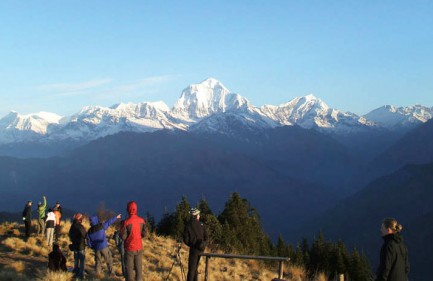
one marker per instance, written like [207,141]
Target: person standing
[27,218]
[97,240]
[50,223]
[394,262]
[120,247]
[41,216]
[196,237]
[77,235]
[132,232]
[58,211]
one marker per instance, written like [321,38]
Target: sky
[59,56]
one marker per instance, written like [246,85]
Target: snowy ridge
[392,117]
[205,107]
[30,127]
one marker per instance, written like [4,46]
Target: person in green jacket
[41,216]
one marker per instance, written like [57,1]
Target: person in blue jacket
[97,240]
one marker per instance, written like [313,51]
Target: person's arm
[143,229]
[89,242]
[187,237]
[44,205]
[387,257]
[110,221]
[407,265]
[63,263]
[82,231]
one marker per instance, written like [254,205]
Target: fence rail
[244,257]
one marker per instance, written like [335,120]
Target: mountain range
[199,108]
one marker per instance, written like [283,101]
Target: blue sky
[59,56]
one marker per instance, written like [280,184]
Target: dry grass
[10,275]
[320,277]
[17,266]
[297,273]
[159,254]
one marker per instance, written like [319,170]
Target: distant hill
[415,147]
[407,195]
[280,172]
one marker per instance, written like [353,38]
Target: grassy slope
[21,260]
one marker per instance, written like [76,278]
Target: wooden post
[280,270]
[206,270]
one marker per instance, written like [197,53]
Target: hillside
[21,260]
[158,168]
[406,195]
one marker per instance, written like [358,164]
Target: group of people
[128,239]
[394,262]
[48,223]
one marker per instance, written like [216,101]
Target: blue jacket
[96,238]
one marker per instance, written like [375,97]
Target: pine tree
[181,217]
[241,220]
[282,249]
[165,225]
[213,226]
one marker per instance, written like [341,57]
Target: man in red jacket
[132,231]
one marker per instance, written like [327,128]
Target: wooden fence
[229,256]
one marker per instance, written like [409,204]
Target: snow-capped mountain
[204,99]
[208,106]
[93,122]
[392,117]
[311,112]
[16,127]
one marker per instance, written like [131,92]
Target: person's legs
[193,260]
[108,259]
[50,236]
[138,260]
[75,270]
[38,227]
[122,260]
[98,261]
[57,232]
[81,263]
[129,265]
[43,227]
[196,268]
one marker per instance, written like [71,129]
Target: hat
[57,202]
[194,212]
[39,203]
[78,216]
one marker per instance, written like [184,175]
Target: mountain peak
[203,99]
[211,83]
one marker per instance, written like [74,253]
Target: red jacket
[133,229]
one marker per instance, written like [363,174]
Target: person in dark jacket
[56,259]
[132,232]
[97,240]
[27,218]
[394,262]
[120,247]
[196,237]
[77,235]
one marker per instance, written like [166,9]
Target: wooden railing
[229,256]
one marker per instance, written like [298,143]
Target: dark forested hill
[406,195]
[281,172]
